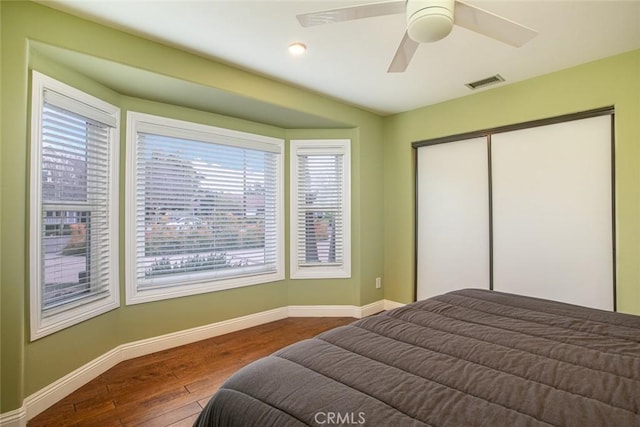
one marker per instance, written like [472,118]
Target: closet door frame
[487,133]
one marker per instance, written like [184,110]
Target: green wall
[612,81]
[27,367]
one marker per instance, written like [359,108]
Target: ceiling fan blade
[403,55]
[492,25]
[351,13]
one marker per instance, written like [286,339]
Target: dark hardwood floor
[170,388]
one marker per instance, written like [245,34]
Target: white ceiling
[348,60]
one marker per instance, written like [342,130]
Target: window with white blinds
[320,209]
[205,208]
[73,246]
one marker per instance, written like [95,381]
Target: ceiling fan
[427,21]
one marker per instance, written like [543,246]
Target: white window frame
[331,147]
[74,312]
[142,122]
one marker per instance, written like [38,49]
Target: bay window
[73,206]
[320,209]
[204,208]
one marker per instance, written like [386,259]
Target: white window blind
[73,271]
[320,201]
[205,209]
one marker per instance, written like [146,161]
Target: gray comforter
[465,358]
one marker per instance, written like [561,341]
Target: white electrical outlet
[378,283]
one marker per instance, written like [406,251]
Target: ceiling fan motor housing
[429,20]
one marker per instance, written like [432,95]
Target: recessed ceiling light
[297,48]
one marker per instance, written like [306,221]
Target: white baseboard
[15,418]
[44,398]
[342,310]
[163,342]
[49,395]
[321,310]
[390,305]
[335,310]
[369,309]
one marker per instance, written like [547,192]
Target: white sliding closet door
[453,217]
[552,212]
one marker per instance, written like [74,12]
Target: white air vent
[485,82]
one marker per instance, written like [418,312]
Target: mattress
[465,358]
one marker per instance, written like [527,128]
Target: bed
[469,357]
